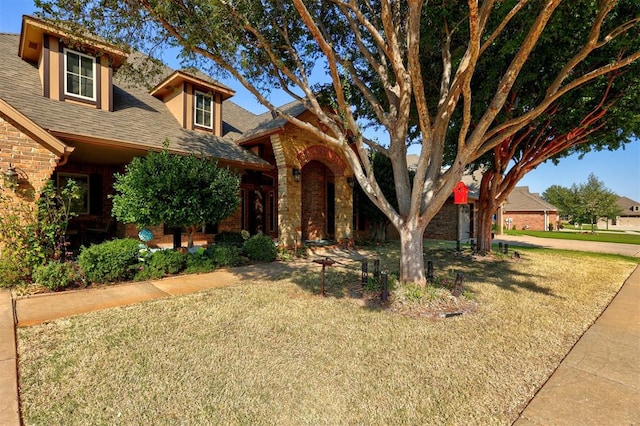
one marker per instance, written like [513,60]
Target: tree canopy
[175,190]
[426,73]
[601,115]
[585,202]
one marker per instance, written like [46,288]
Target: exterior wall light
[296,175]
[11,177]
[351,181]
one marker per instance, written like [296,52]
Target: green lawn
[276,352]
[604,237]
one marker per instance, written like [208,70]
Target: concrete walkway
[597,383]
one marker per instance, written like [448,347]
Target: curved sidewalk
[598,382]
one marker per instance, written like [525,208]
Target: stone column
[344,209]
[289,198]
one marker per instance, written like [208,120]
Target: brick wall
[534,221]
[34,163]
[444,225]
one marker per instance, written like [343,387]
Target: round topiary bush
[261,248]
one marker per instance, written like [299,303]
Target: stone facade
[325,210]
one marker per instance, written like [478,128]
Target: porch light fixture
[351,181]
[11,177]
[296,175]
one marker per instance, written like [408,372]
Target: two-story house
[66,114]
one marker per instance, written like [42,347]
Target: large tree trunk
[412,254]
[484,228]
[191,232]
[487,206]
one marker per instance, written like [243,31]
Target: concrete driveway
[593,246]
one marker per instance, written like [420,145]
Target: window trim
[94,76]
[87,200]
[195,109]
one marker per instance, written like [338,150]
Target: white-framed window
[79,205]
[203,110]
[79,75]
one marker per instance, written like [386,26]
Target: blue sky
[619,170]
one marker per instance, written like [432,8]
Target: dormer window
[195,101]
[203,110]
[80,75]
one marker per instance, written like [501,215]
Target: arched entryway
[318,202]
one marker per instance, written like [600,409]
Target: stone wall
[295,148]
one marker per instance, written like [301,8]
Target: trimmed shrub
[199,262]
[230,238]
[146,272]
[110,261]
[260,248]
[168,261]
[224,254]
[56,275]
[11,274]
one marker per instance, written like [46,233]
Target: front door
[318,202]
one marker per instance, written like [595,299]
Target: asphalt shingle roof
[138,119]
[629,207]
[266,123]
[521,199]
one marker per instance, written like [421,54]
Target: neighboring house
[65,114]
[629,219]
[453,221]
[524,210]
[457,221]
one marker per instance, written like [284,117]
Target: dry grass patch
[277,353]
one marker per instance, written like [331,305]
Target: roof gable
[138,120]
[31,36]
[629,207]
[267,123]
[520,199]
[178,78]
